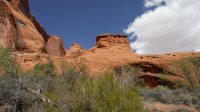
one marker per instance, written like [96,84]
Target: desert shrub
[105,94]
[161,94]
[129,75]
[12,84]
[41,90]
[11,94]
[7,62]
[19,91]
[45,75]
[43,78]
[177,96]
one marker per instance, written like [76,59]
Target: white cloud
[152,3]
[173,27]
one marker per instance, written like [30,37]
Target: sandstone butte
[29,42]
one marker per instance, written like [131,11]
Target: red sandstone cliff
[113,55]
[16,23]
[20,31]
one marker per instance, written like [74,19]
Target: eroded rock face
[22,5]
[20,31]
[75,50]
[111,40]
[55,46]
[8,28]
[39,28]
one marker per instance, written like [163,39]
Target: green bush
[7,61]
[161,94]
[105,94]
[74,90]
[78,91]
[129,76]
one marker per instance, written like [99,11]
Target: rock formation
[8,27]
[112,40]
[21,5]
[20,31]
[55,46]
[76,50]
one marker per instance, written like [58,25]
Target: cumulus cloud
[170,27]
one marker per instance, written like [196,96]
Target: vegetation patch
[42,90]
[168,96]
[189,68]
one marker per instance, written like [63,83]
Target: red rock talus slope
[55,46]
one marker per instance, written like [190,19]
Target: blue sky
[81,20]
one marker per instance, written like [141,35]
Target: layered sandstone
[21,5]
[105,41]
[114,54]
[19,30]
[8,27]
